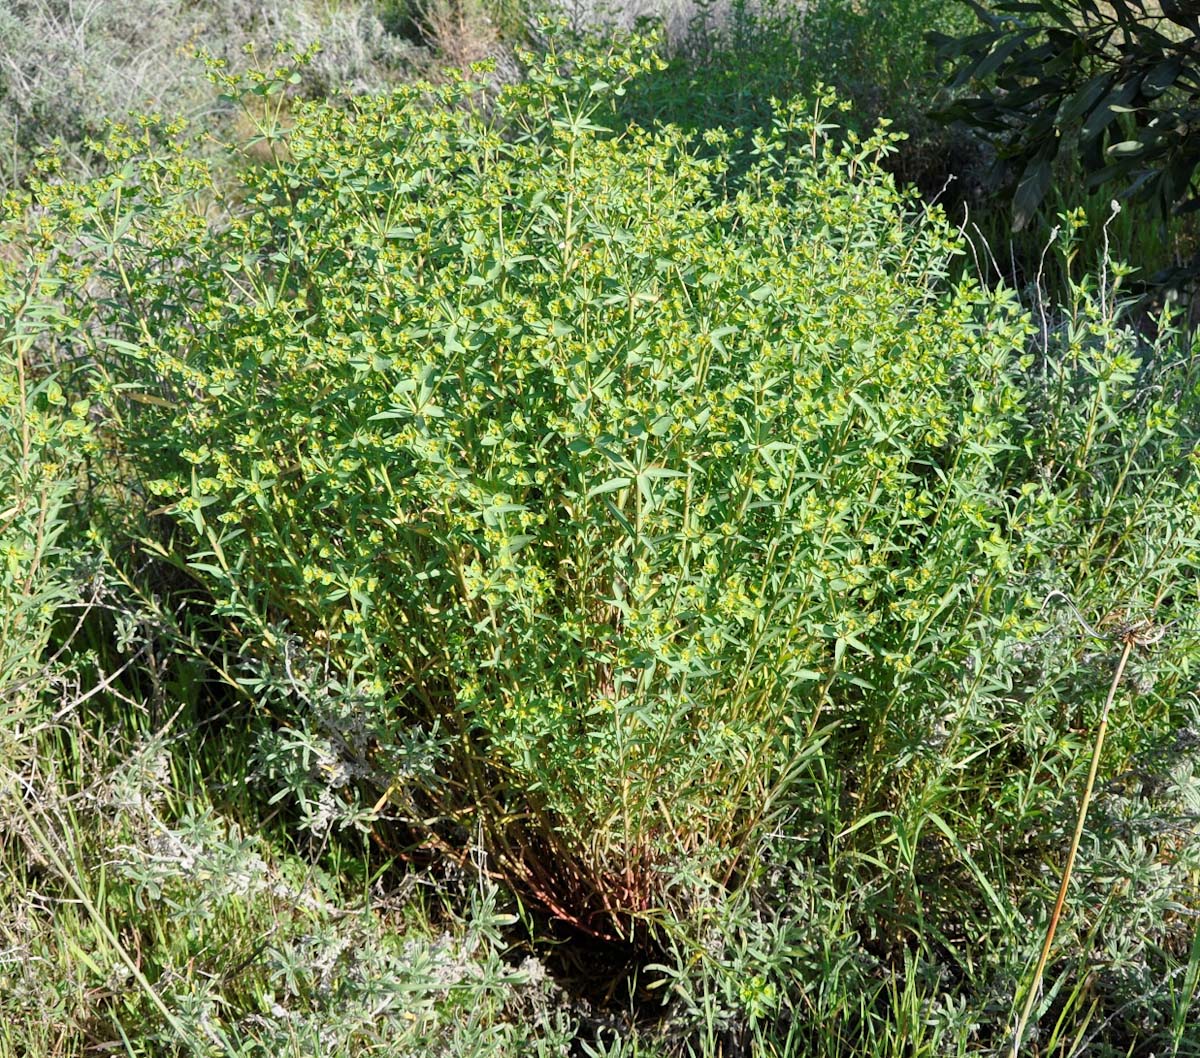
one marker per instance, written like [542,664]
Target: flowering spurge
[671,529]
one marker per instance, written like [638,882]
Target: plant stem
[1031,997]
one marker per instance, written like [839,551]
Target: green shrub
[680,539]
[130,910]
[1080,105]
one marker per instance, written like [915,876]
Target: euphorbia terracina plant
[639,526]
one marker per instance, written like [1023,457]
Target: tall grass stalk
[1142,633]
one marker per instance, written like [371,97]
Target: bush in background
[68,70]
[1113,89]
[727,62]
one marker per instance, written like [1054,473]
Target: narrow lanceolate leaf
[1031,190]
[611,485]
[1159,79]
[1075,107]
[1001,53]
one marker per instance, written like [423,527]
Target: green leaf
[1104,114]
[1159,79]
[1000,54]
[654,473]
[611,485]
[1031,190]
[1076,106]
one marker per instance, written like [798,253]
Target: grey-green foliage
[67,69]
[253,952]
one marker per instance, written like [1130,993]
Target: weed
[643,522]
